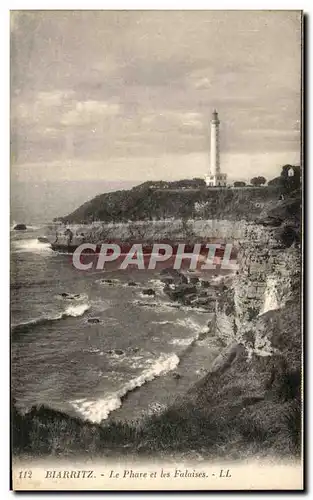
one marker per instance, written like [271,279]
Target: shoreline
[180,350]
[173,382]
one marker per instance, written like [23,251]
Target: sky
[102,100]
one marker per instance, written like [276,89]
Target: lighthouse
[215,177]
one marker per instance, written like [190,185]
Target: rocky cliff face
[265,281]
[198,229]
[250,400]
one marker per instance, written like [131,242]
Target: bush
[258,181]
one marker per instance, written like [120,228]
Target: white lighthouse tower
[215,177]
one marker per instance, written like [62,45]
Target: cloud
[157,73]
[88,112]
[99,85]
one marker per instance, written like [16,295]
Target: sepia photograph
[156,241]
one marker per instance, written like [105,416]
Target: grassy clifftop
[150,201]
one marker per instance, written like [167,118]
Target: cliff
[193,230]
[153,201]
[249,401]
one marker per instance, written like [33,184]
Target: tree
[291,177]
[198,182]
[238,184]
[258,181]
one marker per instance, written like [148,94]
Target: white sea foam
[109,282]
[166,322]
[197,309]
[190,324]
[168,306]
[138,363]
[158,306]
[71,311]
[31,245]
[76,310]
[98,410]
[185,322]
[182,342]
[146,296]
[93,350]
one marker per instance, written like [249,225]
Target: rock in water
[93,320]
[20,227]
[148,291]
[132,283]
[118,352]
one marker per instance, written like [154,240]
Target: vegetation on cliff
[179,199]
[148,201]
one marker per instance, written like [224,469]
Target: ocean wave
[138,362]
[31,245]
[147,296]
[75,310]
[162,323]
[182,342]
[191,324]
[188,323]
[167,306]
[160,306]
[117,282]
[109,282]
[98,410]
[200,330]
[198,309]
[70,311]
[30,227]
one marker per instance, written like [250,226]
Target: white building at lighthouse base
[216,180]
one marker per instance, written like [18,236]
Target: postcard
[156,250]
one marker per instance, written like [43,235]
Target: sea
[98,349]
